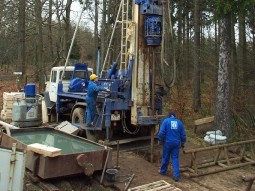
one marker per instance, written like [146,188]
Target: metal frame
[221,158]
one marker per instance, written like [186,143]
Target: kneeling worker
[91,97]
[173,136]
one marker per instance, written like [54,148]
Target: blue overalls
[172,135]
[91,98]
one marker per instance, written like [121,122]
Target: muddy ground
[136,162]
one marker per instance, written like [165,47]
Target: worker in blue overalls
[91,97]
[173,136]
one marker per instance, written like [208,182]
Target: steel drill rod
[105,164]
[118,152]
[129,182]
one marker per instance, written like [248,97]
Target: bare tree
[39,43]
[103,33]
[67,26]
[222,96]
[196,94]
[21,36]
[50,30]
[243,44]
[96,33]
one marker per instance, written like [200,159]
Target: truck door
[53,87]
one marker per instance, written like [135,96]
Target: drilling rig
[134,103]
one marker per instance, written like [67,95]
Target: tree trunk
[197,93]
[242,45]
[21,44]
[50,31]
[103,34]
[234,57]
[67,27]
[179,57]
[187,68]
[39,43]
[96,34]
[222,96]
[59,45]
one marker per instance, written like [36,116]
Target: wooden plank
[44,150]
[204,120]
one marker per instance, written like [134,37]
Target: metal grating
[156,186]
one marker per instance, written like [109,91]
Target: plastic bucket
[110,174]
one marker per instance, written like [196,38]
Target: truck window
[53,76]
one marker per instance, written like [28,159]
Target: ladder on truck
[124,41]
[125,24]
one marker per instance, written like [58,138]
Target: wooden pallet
[6,115]
[13,95]
[8,100]
[156,186]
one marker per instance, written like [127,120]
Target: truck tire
[78,116]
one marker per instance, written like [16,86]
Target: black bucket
[110,174]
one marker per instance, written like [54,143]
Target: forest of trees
[211,42]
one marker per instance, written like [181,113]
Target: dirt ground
[136,162]
[146,172]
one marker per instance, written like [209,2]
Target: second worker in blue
[173,136]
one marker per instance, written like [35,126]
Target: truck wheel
[92,135]
[78,116]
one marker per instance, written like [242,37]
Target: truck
[134,102]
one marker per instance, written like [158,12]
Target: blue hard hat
[171,114]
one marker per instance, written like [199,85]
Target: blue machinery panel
[152,10]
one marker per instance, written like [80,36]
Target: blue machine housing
[152,10]
[78,85]
[79,79]
[153,27]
